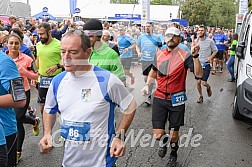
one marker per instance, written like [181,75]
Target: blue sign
[128,16]
[45,9]
[73,4]
[77,10]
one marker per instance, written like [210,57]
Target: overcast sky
[57,7]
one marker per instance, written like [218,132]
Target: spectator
[58,33]
[12,20]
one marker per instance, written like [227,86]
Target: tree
[195,11]
[223,13]
[210,12]
[161,2]
[178,2]
[125,1]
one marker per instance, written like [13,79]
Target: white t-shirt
[27,41]
[87,115]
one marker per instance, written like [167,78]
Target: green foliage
[161,2]
[152,2]
[124,1]
[178,2]
[210,12]
[250,5]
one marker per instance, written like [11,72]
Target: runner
[126,45]
[26,70]
[9,76]
[220,40]
[102,55]
[48,60]
[86,96]
[146,47]
[170,70]
[207,52]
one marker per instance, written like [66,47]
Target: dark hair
[85,40]
[14,35]
[235,36]
[46,26]
[202,26]
[18,32]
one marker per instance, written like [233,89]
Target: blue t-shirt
[148,44]
[23,48]
[125,41]
[2,135]
[8,71]
[220,38]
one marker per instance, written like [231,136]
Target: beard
[44,40]
[172,45]
[203,35]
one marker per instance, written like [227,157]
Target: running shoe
[172,161]
[18,157]
[209,91]
[200,99]
[231,80]
[148,101]
[35,128]
[214,72]
[221,70]
[162,151]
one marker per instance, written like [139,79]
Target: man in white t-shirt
[86,97]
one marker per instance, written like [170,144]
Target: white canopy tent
[102,9]
[157,12]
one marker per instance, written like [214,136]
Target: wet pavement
[210,137]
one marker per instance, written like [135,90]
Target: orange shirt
[24,62]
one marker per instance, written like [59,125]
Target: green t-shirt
[106,58]
[234,43]
[48,55]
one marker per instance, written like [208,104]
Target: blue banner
[73,4]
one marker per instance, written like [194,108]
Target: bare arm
[212,56]
[138,50]
[6,101]
[117,148]
[37,63]
[198,71]
[127,117]
[151,77]
[45,143]
[48,122]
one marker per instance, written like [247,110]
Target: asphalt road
[211,137]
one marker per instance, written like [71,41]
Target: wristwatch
[120,136]
[195,56]
[58,66]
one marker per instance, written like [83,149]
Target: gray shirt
[207,47]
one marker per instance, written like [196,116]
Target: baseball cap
[172,30]
[94,26]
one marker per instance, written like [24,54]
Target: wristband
[120,136]
[195,56]
[58,66]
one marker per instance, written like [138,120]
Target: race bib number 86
[76,131]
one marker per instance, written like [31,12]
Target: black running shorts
[162,110]
[42,94]
[220,54]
